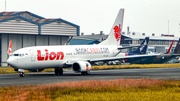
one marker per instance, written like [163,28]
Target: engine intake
[81,66]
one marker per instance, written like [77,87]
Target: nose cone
[9,61]
[12,62]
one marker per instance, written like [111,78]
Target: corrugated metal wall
[4,45]
[56,28]
[64,40]
[17,41]
[28,40]
[41,40]
[18,27]
[54,40]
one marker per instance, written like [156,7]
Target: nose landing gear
[21,71]
[22,74]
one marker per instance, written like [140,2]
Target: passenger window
[21,54]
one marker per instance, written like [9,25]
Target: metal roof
[5,17]
[16,13]
[8,13]
[33,18]
[42,20]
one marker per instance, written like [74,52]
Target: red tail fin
[10,47]
[170,48]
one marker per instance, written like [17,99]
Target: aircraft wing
[105,59]
[176,54]
[69,62]
[119,48]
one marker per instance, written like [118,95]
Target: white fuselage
[40,57]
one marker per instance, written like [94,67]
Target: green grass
[96,90]
[130,94]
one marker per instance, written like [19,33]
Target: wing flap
[105,59]
[119,48]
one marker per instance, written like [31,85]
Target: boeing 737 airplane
[139,51]
[78,57]
[157,57]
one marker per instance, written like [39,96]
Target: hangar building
[28,29]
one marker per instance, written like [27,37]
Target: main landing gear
[58,71]
[86,73]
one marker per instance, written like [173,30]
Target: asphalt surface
[39,78]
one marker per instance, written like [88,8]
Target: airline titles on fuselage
[49,56]
[60,55]
[91,50]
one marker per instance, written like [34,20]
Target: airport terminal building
[28,29]
[157,44]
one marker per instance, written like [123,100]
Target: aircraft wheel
[58,71]
[85,73]
[88,72]
[21,74]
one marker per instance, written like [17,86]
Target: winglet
[169,48]
[10,47]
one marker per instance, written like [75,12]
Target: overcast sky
[93,16]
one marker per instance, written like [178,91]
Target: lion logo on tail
[117,32]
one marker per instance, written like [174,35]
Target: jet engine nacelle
[81,66]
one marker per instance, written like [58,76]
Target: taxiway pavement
[39,78]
